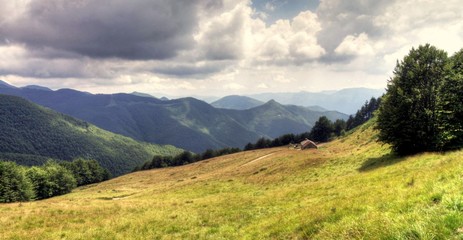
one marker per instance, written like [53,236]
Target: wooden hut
[308,144]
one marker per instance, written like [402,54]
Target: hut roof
[308,144]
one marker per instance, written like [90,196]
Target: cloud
[143,29]
[269,6]
[221,37]
[233,86]
[223,45]
[290,42]
[340,19]
[355,46]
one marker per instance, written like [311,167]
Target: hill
[351,188]
[273,119]
[346,100]
[187,123]
[236,102]
[30,134]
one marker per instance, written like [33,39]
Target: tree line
[422,109]
[21,183]
[183,158]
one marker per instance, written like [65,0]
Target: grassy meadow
[351,188]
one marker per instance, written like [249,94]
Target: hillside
[30,134]
[346,100]
[274,119]
[187,123]
[236,102]
[351,188]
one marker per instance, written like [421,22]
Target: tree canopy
[419,111]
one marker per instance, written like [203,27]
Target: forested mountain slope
[30,134]
[187,123]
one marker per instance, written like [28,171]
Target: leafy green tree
[322,130]
[408,116]
[86,171]
[339,126]
[184,158]
[249,146]
[364,114]
[14,185]
[451,104]
[41,183]
[51,179]
[209,153]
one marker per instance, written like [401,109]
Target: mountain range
[31,134]
[347,100]
[236,102]
[187,123]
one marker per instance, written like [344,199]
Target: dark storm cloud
[137,29]
[190,70]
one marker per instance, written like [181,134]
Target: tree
[86,171]
[451,104]
[51,179]
[14,185]
[322,130]
[339,127]
[408,116]
[364,114]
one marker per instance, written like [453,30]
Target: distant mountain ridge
[187,123]
[274,119]
[347,101]
[30,134]
[236,102]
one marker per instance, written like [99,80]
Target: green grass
[351,188]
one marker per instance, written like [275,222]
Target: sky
[217,47]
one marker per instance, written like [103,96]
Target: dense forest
[31,134]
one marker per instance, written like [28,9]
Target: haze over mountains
[187,123]
[346,100]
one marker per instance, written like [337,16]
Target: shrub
[14,185]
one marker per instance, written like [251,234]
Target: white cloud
[227,45]
[355,46]
[269,6]
[233,86]
[289,42]
[221,37]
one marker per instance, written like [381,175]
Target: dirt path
[259,158]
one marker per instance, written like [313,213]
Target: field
[351,188]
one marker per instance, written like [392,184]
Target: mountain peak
[272,102]
[236,102]
[6,85]
[140,94]
[37,87]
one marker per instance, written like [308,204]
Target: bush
[14,185]
[86,171]
[51,180]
